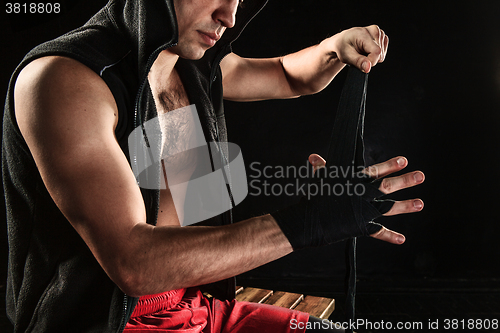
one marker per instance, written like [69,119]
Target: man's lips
[210,38]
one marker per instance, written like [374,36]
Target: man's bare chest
[177,134]
[170,95]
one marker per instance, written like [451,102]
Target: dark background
[435,100]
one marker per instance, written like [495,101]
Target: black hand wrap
[327,218]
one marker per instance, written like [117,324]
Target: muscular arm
[305,72]
[67,116]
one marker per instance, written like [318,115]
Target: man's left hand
[361,47]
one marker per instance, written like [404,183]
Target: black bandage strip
[347,151]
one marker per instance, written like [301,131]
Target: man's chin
[192,57]
[191,54]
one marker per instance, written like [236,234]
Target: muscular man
[85,240]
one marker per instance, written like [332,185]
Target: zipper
[218,59]
[123,321]
[149,64]
[138,99]
[137,123]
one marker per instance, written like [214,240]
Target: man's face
[201,24]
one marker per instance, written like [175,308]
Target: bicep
[68,122]
[246,79]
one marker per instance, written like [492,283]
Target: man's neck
[162,69]
[166,85]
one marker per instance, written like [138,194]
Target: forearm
[305,72]
[312,69]
[166,258]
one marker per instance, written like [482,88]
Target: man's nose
[226,13]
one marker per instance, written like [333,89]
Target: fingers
[387,185]
[386,168]
[405,207]
[389,236]
[369,47]
[386,45]
[399,207]
[316,161]
[382,41]
[393,184]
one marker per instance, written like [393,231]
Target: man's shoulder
[61,88]
[57,76]
[56,69]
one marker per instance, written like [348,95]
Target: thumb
[362,63]
[352,57]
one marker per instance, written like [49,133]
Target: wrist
[330,50]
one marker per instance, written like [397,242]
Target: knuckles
[407,181]
[386,186]
[374,31]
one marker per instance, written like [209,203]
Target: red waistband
[150,304]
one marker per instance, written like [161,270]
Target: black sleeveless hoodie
[54,282]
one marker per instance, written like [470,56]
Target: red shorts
[188,310]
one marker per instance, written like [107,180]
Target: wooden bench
[319,307]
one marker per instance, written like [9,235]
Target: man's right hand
[328,219]
[388,186]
